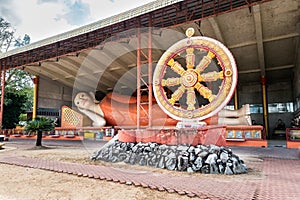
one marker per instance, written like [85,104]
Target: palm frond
[40,124]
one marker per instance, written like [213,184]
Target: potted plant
[39,125]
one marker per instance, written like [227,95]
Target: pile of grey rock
[209,159]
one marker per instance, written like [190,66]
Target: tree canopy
[39,125]
[18,83]
[7,37]
[13,107]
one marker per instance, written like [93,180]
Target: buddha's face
[82,100]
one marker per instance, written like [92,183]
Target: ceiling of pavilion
[263,39]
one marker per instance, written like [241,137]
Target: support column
[261,59]
[35,96]
[236,100]
[296,81]
[2,96]
[138,78]
[265,104]
[150,72]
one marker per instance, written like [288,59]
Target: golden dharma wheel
[195,78]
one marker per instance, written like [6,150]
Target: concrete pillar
[35,96]
[296,82]
[2,96]
[265,104]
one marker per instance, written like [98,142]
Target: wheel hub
[189,78]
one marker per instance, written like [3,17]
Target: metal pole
[35,96]
[2,95]
[150,72]
[236,100]
[265,104]
[138,81]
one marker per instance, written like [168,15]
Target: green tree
[19,42]
[39,125]
[13,107]
[20,82]
[6,35]
[17,81]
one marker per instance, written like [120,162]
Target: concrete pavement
[274,173]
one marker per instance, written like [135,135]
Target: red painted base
[248,143]
[48,137]
[293,144]
[106,138]
[171,136]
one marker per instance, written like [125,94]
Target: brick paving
[274,173]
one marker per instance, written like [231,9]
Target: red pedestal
[206,135]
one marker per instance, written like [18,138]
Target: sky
[41,19]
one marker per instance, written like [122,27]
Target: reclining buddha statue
[120,110]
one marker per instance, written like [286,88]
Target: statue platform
[173,136]
[246,136]
[220,135]
[293,138]
[215,134]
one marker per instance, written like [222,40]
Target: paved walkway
[274,173]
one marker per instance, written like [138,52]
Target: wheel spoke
[177,95]
[190,58]
[171,81]
[206,60]
[212,76]
[176,66]
[205,92]
[191,99]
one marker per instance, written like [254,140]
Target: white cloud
[107,8]
[76,13]
[40,21]
[45,18]
[8,13]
